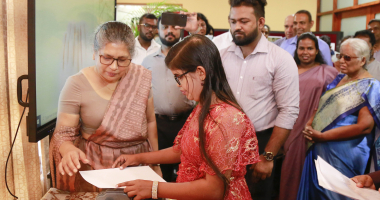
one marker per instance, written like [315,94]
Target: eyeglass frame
[148,26]
[345,57]
[117,61]
[176,78]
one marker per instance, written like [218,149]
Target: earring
[203,83]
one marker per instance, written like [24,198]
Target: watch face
[268,155]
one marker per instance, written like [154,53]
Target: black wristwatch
[268,156]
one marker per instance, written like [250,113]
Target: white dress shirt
[265,84]
[223,40]
[141,52]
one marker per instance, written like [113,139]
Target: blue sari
[340,106]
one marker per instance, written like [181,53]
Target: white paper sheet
[108,178]
[332,179]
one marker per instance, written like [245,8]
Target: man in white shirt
[145,44]
[264,80]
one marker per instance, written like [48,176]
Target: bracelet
[154,189]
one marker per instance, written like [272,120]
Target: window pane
[326,5]
[325,23]
[350,25]
[345,3]
[365,1]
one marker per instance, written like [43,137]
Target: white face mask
[210,36]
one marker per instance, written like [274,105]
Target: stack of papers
[332,179]
[108,178]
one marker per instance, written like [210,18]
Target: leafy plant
[132,16]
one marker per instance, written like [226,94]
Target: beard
[247,39]
[168,43]
[144,37]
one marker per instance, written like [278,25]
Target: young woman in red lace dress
[216,142]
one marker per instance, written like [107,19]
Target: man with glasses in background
[171,107]
[145,43]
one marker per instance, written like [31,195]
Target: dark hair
[366,33]
[342,40]
[197,50]
[113,32]
[373,20]
[258,6]
[326,38]
[211,29]
[304,12]
[203,17]
[318,57]
[147,16]
[267,27]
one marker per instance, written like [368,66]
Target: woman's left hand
[312,135]
[139,189]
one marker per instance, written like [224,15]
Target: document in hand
[332,179]
[108,178]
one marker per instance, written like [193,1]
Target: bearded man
[264,80]
[171,107]
[145,43]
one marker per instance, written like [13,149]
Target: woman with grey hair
[342,130]
[104,111]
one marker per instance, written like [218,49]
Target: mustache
[238,31]
[170,34]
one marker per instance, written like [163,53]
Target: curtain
[24,170]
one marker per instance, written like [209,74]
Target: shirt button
[238,92]
[245,62]
[241,77]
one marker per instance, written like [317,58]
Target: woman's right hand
[126,160]
[70,161]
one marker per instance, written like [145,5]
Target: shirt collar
[158,53]
[293,40]
[153,43]
[262,46]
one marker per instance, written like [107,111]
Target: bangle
[154,189]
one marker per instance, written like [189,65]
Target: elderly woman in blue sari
[342,130]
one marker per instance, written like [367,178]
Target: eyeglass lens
[120,62]
[345,57]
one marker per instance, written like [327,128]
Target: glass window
[377,16]
[327,5]
[345,3]
[350,25]
[325,23]
[365,1]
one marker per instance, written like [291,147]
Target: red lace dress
[231,143]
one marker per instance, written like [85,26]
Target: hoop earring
[203,83]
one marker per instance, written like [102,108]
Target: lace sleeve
[231,141]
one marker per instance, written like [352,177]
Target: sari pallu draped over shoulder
[123,131]
[338,107]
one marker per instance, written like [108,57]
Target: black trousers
[264,189]
[167,130]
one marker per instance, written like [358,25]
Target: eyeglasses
[148,26]
[345,57]
[121,62]
[180,76]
